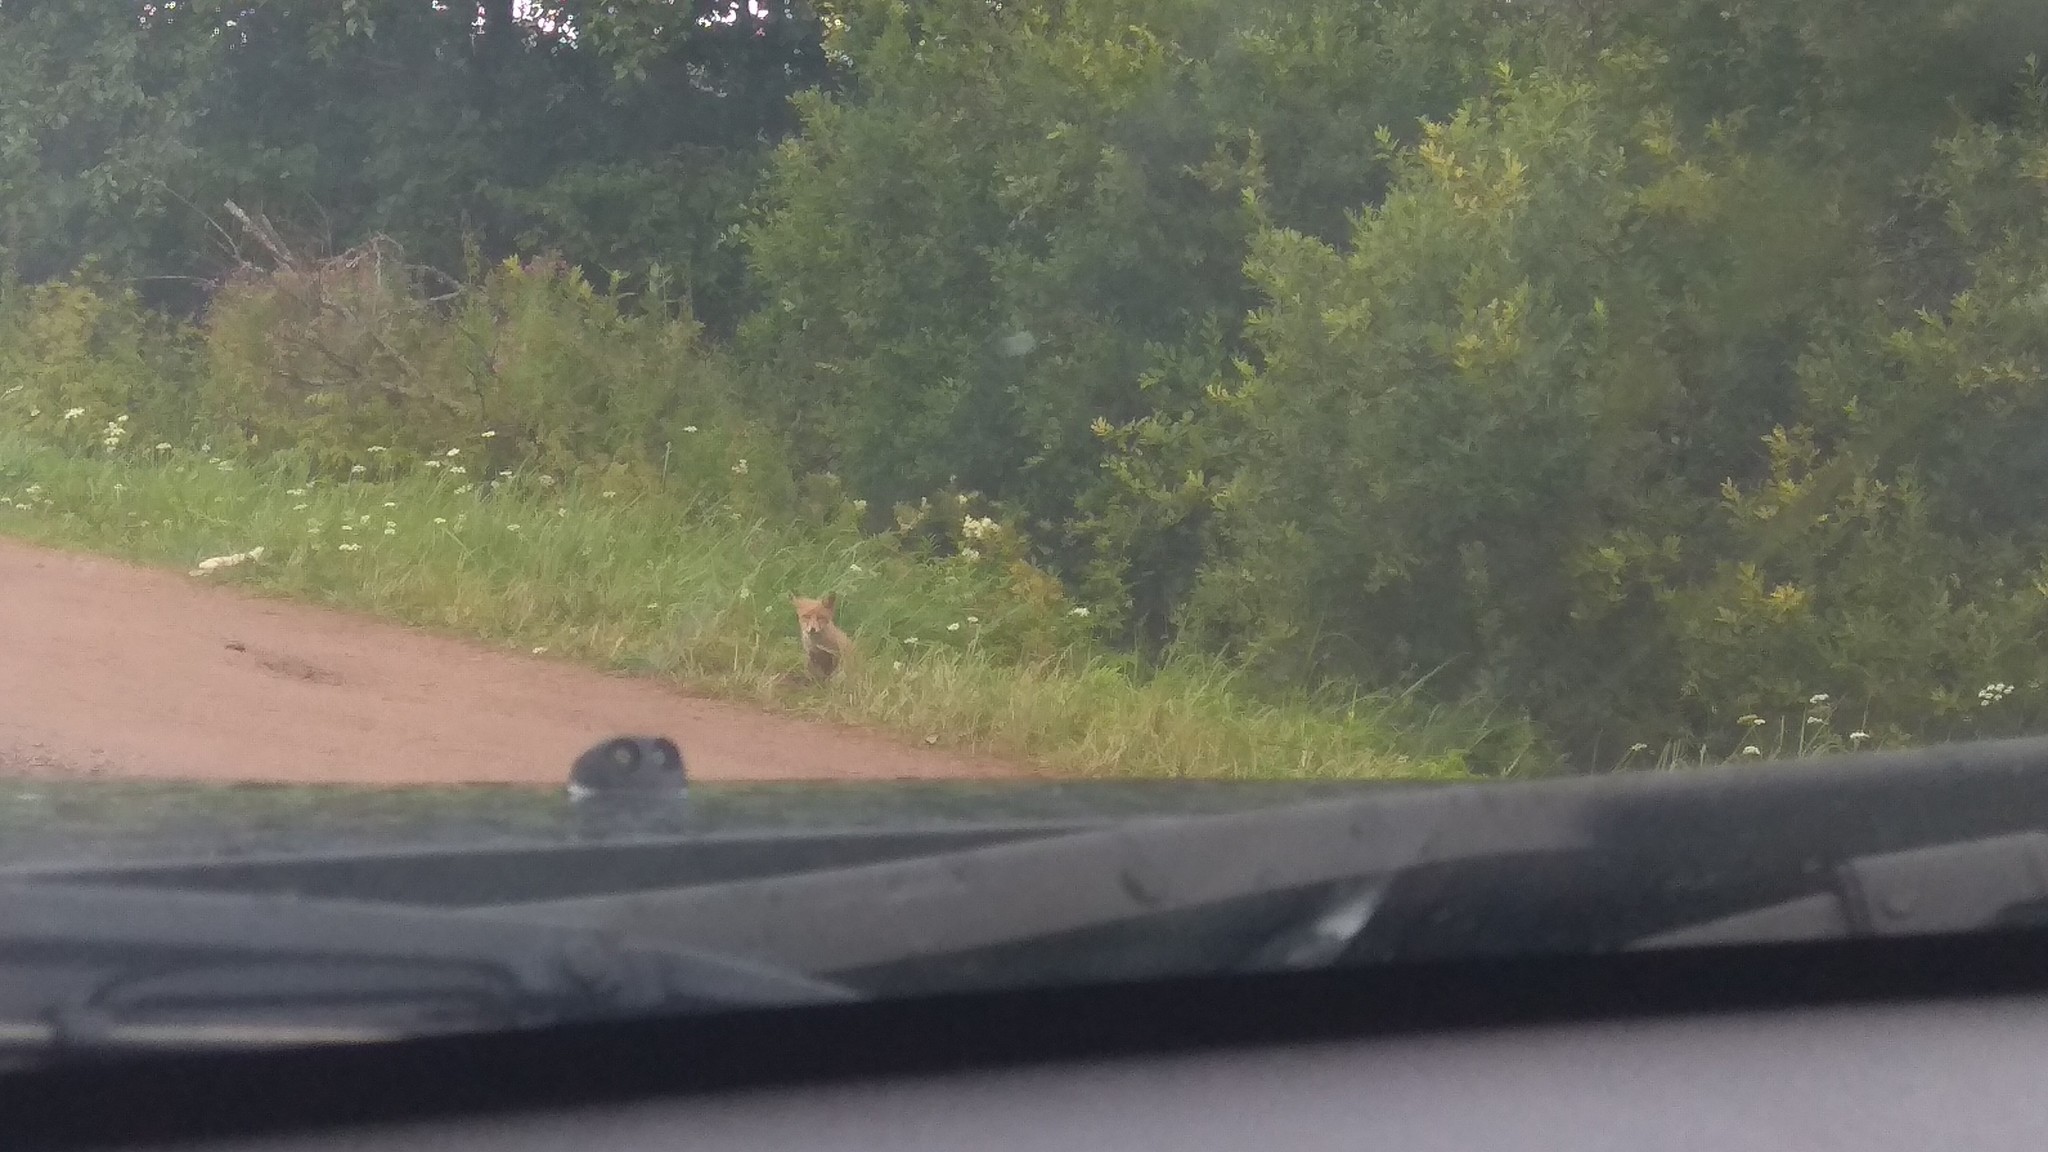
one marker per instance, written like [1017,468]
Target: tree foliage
[627,135]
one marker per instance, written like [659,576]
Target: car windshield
[1142,471]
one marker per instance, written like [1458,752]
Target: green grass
[698,595]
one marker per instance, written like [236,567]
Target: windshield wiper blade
[1403,873]
[91,967]
[1286,886]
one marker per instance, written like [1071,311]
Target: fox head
[814,616]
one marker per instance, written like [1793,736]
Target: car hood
[82,820]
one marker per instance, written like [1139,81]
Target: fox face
[815,617]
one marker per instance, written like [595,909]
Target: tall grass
[697,592]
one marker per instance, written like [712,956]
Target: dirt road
[110,668]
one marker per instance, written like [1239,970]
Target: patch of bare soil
[110,668]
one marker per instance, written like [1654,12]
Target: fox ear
[831,601]
[796,601]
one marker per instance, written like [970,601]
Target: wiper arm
[90,967]
[1409,873]
[1284,886]
[1964,886]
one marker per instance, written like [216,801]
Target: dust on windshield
[418,392]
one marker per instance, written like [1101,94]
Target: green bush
[1597,417]
[84,365]
[356,363]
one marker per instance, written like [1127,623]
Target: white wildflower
[1751,750]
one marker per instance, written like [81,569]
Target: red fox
[825,646]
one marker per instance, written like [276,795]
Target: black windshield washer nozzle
[635,767]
